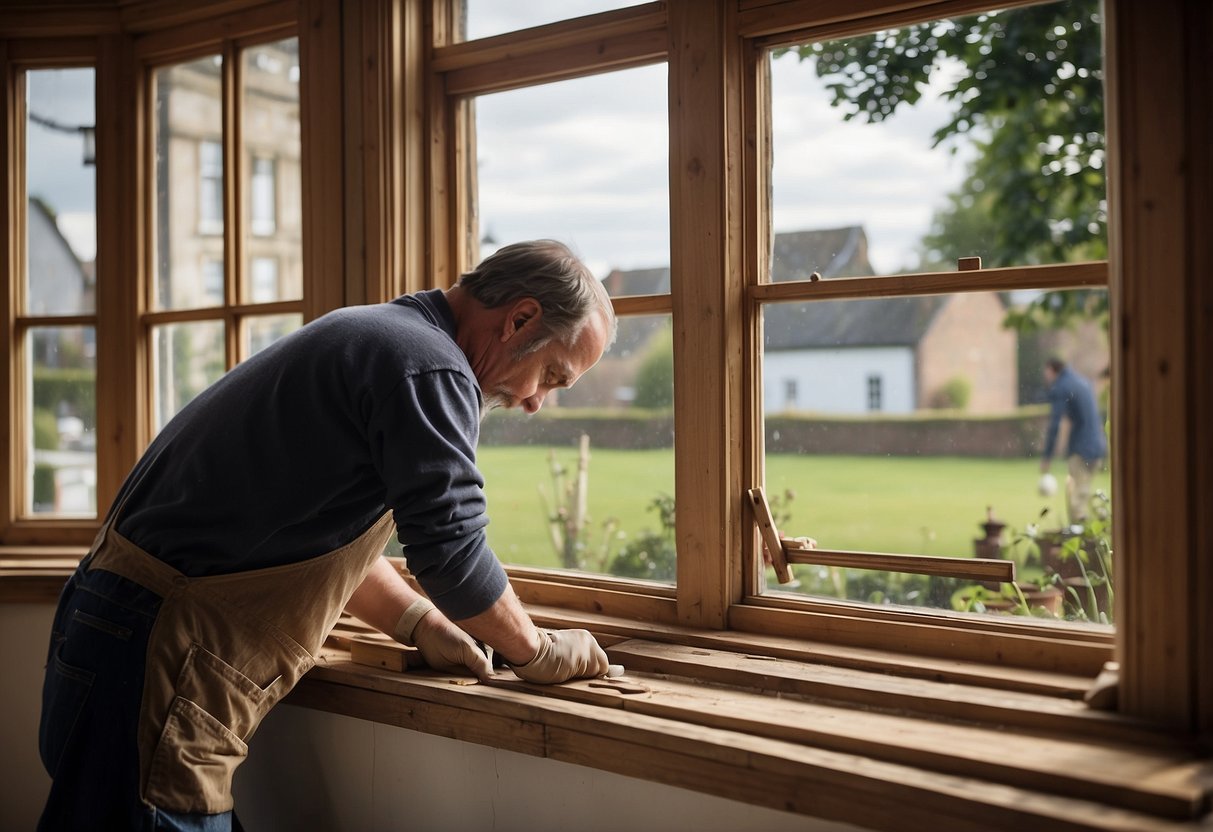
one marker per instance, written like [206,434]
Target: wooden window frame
[228,37]
[17,57]
[717,222]
[399,185]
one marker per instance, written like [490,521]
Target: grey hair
[549,272]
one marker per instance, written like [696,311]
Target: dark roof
[826,324]
[638,282]
[831,252]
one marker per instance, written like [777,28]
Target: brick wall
[967,339]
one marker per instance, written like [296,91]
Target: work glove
[445,647]
[564,655]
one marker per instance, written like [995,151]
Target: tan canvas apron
[224,649]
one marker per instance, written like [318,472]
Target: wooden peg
[770,535]
[968,264]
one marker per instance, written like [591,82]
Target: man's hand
[564,655]
[445,647]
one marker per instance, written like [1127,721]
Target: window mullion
[233,201]
[705,288]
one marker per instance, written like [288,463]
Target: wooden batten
[265,22]
[10,210]
[782,22]
[1060,276]
[120,384]
[617,52]
[642,305]
[321,95]
[1046,651]
[579,32]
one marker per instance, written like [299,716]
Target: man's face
[1050,375]
[521,377]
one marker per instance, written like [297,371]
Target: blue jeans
[90,711]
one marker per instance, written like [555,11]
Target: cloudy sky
[586,161]
[55,169]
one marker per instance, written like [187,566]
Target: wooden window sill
[814,729]
[35,574]
[883,740]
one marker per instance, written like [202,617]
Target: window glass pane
[273,214]
[588,482]
[484,18]
[60,181]
[188,357]
[263,330]
[61,439]
[916,419]
[189,182]
[903,150]
[551,163]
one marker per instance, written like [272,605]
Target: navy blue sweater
[302,447]
[1071,396]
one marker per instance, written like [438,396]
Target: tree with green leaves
[1027,85]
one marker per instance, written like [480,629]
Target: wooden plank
[626,603]
[992,625]
[593,581]
[323,152]
[987,674]
[575,61]
[206,35]
[1079,658]
[387,655]
[849,789]
[1061,276]
[444,720]
[1156,782]
[971,569]
[642,305]
[577,32]
[857,688]
[796,21]
[36,20]
[756,769]
[150,15]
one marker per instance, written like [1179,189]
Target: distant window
[790,393]
[210,188]
[265,279]
[875,402]
[264,222]
[212,280]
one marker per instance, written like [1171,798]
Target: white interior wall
[313,770]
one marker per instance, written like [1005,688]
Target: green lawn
[894,504]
